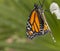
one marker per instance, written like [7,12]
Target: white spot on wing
[28,28]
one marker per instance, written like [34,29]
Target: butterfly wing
[34,21]
[34,25]
[46,26]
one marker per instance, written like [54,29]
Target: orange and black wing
[33,24]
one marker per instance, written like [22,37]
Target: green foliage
[13,18]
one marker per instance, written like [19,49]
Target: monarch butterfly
[37,24]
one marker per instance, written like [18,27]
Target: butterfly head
[39,6]
[36,5]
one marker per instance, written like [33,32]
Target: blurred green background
[13,18]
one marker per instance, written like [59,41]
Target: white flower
[54,8]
